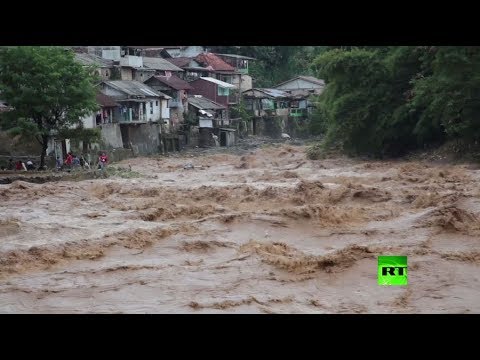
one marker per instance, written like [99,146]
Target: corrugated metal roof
[181,61]
[210,59]
[159,64]
[135,88]
[198,69]
[273,93]
[237,56]
[91,59]
[311,79]
[204,103]
[172,81]
[218,82]
[105,100]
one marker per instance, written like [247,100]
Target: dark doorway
[254,130]
[125,138]
[223,138]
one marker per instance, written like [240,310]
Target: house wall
[176,113]
[153,106]
[89,121]
[235,80]
[246,83]
[192,136]
[126,73]
[111,135]
[205,138]
[165,110]
[143,138]
[208,90]
[155,109]
[104,73]
[271,126]
[106,52]
[111,54]
[227,138]
[168,112]
[107,90]
[142,75]
[131,60]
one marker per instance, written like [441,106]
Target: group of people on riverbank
[72,162]
[20,165]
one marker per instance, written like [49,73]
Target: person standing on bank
[103,161]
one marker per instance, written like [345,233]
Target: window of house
[267,104]
[156,103]
[106,73]
[223,91]
[151,104]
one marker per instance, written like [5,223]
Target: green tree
[47,89]
[448,94]
[367,104]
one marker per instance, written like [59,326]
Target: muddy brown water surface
[265,231]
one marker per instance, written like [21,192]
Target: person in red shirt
[69,160]
[102,161]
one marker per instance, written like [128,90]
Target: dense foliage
[389,100]
[47,90]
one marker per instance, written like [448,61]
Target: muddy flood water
[266,231]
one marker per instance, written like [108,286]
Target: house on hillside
[240,64]
[302,85]
[269,108]
[262,102]
[106,113]
[213,89]
[105,52]
[175,87]
[201,107]
[302,88]
[105,67]
[209,118]
[106,118]
[192,69]
[143,114]
[138,102]
[223,72]
[160,66]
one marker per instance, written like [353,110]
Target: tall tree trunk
[44,151]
